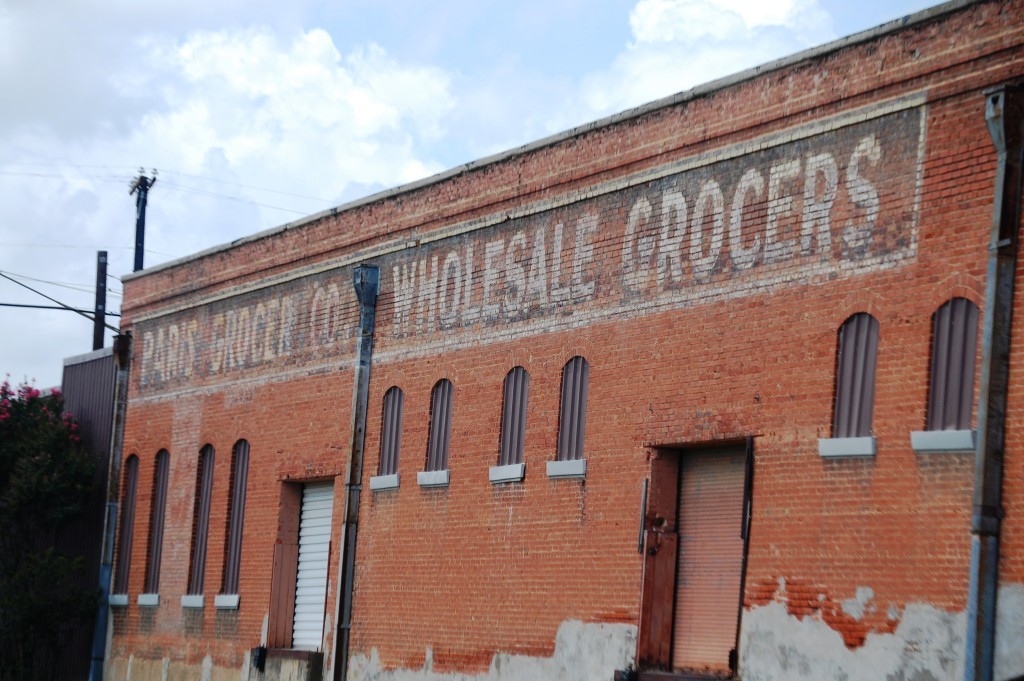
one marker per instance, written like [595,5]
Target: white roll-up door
[314,553]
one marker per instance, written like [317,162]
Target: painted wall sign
[838,203]
[843,201]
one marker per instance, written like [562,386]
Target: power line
[54,300]
[57,307]
[85,288]
[216,195]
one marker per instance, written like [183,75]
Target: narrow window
[855,376]
[572,419]
[391,431]
[236,517]
[201,520]
[156,522]
[440,426]
[125,531]
[513,416]
[954,346]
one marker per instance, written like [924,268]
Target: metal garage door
[710,564]
[314,554]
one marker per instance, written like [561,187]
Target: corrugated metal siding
[440,425]
[954,348]
[572,420]
[855,376]
[314,556]
[156,522]
[88,388]
[513,416]
[710,564]
[201,520]
[126,527]
[236,516]
[391,431]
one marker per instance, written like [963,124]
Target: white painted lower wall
[583,652]
[927,645]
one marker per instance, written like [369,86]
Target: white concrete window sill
[846,447]
[192,601]
[513,472]
[226,601]
[433,478]
[573,468]
[118,600]
[934,441]
[378,482]
[148,600]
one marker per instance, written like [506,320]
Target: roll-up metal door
[710,564]
[314,554]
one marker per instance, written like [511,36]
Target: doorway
[696,528]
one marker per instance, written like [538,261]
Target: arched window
[855,376]
[954,348]
[391,431]
[513,416]
[440,425]
[161,470]
[236,520]
[572,418]
[127,525]
[201,520]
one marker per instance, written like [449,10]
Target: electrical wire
[217,195]
[54,300]
[84,288]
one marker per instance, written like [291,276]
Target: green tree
[45,474]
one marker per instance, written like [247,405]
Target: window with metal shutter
[855,376]
[201,520]
[391,431]
[440,425]
[236,517]
[314,554]
[572,419]
[127,526]
[954,348]
[156,522]
[513,416]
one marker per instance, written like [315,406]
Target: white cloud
[677,44]
[221,113]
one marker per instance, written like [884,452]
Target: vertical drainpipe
[122,362]
[367,283]
[1004,113]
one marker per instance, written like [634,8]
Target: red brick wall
[476,568]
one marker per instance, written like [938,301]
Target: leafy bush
[45,477]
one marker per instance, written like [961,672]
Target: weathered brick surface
[858,180]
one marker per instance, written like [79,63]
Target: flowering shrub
[45,478]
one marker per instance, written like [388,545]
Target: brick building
[695,387]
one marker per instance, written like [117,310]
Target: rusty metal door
[710,561]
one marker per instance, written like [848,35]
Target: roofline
[696,92]
[88,356]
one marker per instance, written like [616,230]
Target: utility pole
[100,309]
[140,186]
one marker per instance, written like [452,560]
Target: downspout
[367,283]
[1004,113]
[122,364]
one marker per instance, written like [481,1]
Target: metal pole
[1004,113]
[100,309]
[367,283]
[140,187]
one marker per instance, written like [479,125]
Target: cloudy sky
[256,113]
